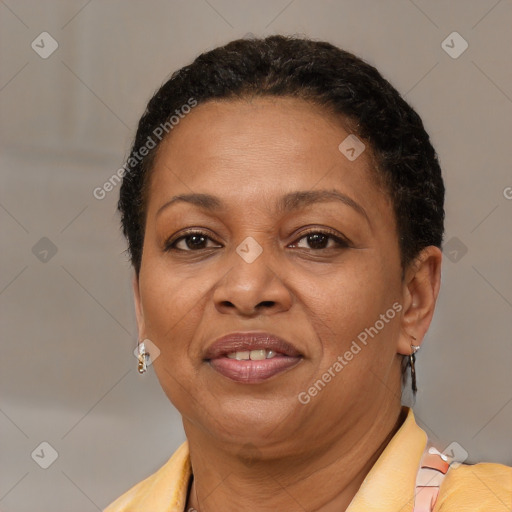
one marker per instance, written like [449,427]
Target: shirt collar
[390,483]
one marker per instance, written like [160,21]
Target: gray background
[68,376]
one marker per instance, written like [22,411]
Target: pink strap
[433,468]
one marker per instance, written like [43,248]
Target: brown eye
[192,241]
[318,240]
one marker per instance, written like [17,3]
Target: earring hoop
[143,358]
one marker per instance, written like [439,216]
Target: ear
[420,290]
[139,313]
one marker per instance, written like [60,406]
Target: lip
[250,340]
[248,371]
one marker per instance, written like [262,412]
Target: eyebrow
[287,203]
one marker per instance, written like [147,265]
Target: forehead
[256,149]
[282,124]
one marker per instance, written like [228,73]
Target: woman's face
[250,265]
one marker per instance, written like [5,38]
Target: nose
[252,289]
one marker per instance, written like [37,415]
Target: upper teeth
[253,355]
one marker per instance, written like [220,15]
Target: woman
[283,207]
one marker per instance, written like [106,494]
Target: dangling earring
[143,355]
[412,361]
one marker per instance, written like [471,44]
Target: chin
[249,420]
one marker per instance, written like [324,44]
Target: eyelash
[341,242]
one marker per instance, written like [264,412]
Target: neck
[223,481]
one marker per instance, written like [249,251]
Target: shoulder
[163,491]
[480,487]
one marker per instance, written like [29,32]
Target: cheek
[348,308]
[168,294]
[172,308]
[355,318]
[172,314]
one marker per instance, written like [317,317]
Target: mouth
[251,357]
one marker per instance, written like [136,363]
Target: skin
[255,446]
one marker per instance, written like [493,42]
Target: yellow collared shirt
[388,487]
